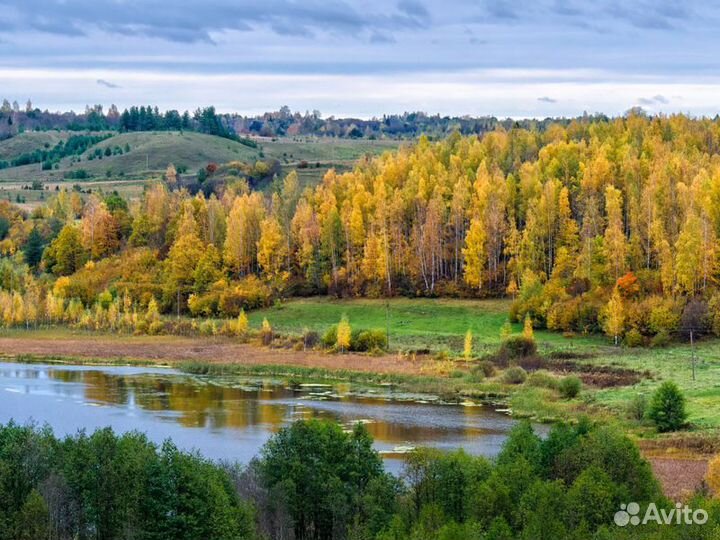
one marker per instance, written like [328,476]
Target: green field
[671,363]
[435,324]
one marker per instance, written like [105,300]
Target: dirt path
[170,349]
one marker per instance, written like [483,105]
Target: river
[232,417]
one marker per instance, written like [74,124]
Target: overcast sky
[514,58]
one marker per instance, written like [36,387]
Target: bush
[310,339]
[637,408]
[368,340]
[250,293]
[514,375]
[633,338]
[330,337]
[476,375]
[664,318]
[487,368]
[531,363]
[542,379]
[667,408]
[570,387]
[515,348]
[660,340]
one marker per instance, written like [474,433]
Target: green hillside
[30,141]
[141,152]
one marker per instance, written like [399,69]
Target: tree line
[280,123]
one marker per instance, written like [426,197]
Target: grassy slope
[148,151]
[29,142]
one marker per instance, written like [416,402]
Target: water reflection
[229,417]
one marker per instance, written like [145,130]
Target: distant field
[294,149]
[151,152]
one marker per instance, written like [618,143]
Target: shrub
[531,363]
[310,339]
[514,375]
[266,333]
[667,408]
[660,340]
[368,340]
[486,367]
[637,408]
[542,379]
[633,338]
[476,375]
[330,337]
[250,293]
[208,328]
[570,387]
[514,348]
[664,318]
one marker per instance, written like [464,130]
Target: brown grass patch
[599,376]
[173,349]
[679,478]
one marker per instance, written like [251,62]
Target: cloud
[546,99]
[501,9]
[199,20]
[413,8]
[657,99]
[106,84]
[380,38]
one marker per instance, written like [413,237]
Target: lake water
[232,417]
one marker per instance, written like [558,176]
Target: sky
[505,58]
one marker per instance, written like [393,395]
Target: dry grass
[679,477]
[172,349]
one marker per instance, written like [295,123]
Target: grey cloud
[546,99]
[380,38]
[413,8]
[501,9]
[106,84]
[655,100]
[197,20]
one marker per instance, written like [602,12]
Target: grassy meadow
[434,324]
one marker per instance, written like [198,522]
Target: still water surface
[231,417]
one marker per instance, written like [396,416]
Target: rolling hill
[142,152]
[30,141]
